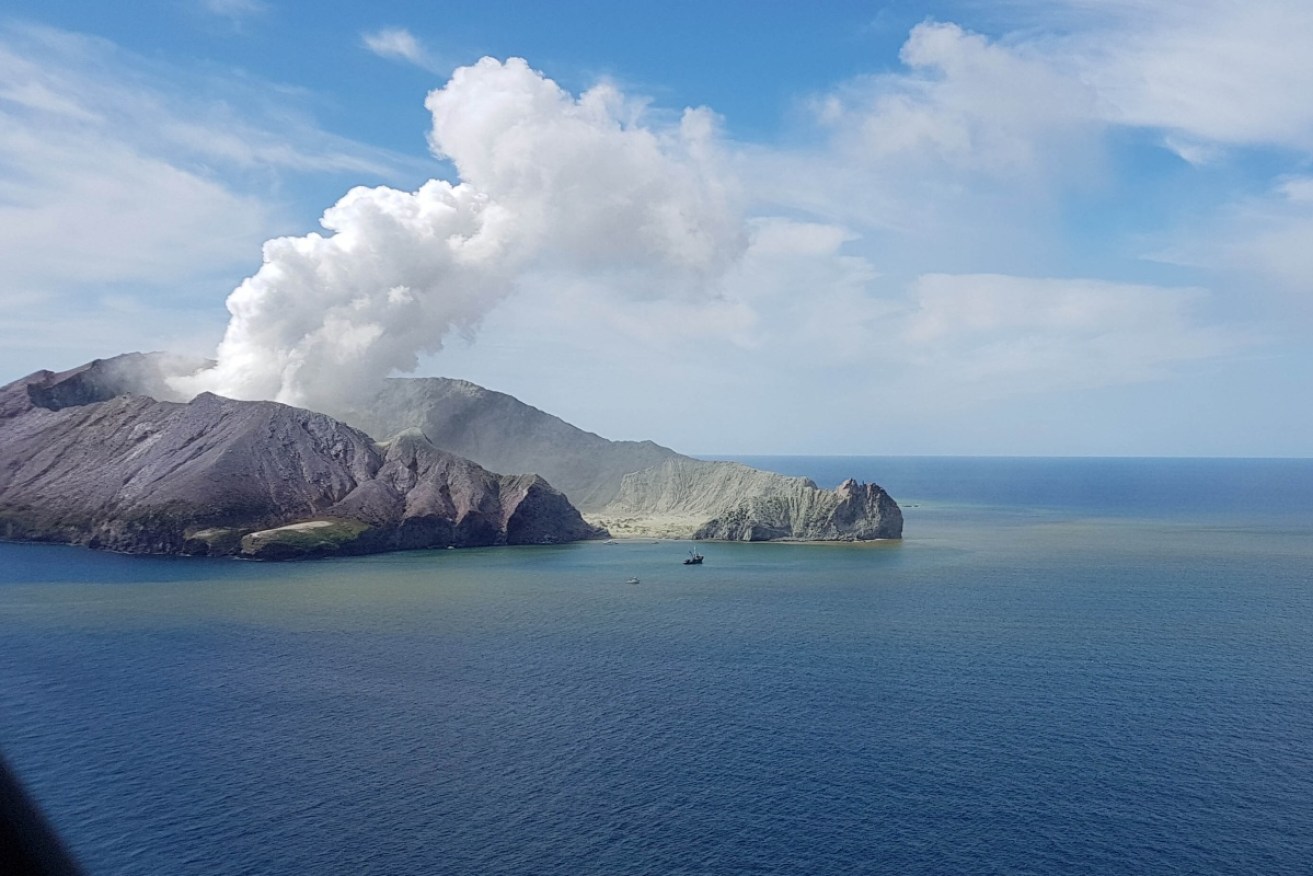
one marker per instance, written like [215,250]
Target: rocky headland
[729,501]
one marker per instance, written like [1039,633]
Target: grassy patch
[294,542]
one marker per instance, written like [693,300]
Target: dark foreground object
[27,843]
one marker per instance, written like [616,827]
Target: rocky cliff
[629,487]
[82,462]
[730,501]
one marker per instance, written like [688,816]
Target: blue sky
[1065,227]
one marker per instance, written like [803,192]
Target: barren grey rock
[97,381]
[505,434]
[82,463]
[851,512]
[640,485]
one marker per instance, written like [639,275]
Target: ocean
[1068,666]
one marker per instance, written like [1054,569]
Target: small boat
[693,559]
[632,581]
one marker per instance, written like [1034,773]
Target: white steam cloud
[592,187]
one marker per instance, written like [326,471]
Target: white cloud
[1296,189]
[58,82]
[966,103]
[985,132]
[956,160]
[596,179]
[564,191]
[995,335]
[643,249]
[803,326]
[1262,244]
[121,180]
[83,197]
[1205,72]
[399,44]
[114,216]
[235,10]
[624,236]
[794,326]
[52,78]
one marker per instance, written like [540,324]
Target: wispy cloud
[119,175]
[799,312]
[1207,73]
[1263,242]
[93,191]
[995,335]
[399,44]
[235,10]
[966,103]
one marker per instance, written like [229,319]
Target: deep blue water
[1067,667]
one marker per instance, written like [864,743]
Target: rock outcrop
[83,463]
[628,487]
[851,512]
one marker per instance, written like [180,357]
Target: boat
[693,559]
[632,581]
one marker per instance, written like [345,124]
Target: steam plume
[549,184]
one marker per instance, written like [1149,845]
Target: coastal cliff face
[851,512]
[628,487]
[737,503]
[82,463]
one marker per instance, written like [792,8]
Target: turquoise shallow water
[1068,666]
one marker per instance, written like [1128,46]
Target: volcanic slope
[85,461]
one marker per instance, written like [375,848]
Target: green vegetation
[315,538]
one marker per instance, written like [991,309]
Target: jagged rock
[852,512]
[84,464]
